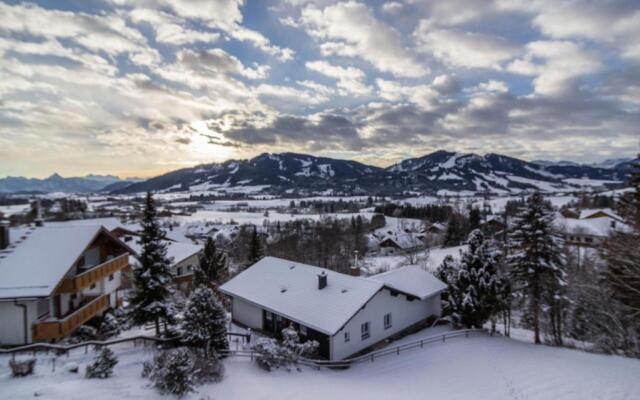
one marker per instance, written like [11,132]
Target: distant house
[346,314]
[184,259]
[588,232]
[403,242]
[599,213]
[55,278]
[493,225]
[436,228]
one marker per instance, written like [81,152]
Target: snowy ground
[478,367]
[385,263]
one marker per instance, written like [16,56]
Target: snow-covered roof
[110,223]
[602,226]
[38,258]
[403,240]
[586,213]
[412,280]
[291,289]
[177,250]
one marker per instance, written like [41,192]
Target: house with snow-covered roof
[346,314]
[55,278]
[599,213]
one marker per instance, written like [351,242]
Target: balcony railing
[95,274]
[59,328]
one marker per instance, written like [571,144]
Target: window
[347,337]
[365,331]
[93,286]
[179,271]
[111,277]
[303,330]
[387,321]
[268,316]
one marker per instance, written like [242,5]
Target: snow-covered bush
[109,326]
[102,365]
[72,367]
[178,371]
[22,368]
[272,355]
[204,323]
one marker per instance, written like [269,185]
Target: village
[293,283]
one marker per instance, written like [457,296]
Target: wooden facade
[56,329]
[93,275]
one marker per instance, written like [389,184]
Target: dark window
[387,321]
[303,330]
[93,286]
[179,271]
[111,277]
[347,337]
[268,316]
[365,331]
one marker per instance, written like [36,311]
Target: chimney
[354,270]
[4,235]
[322,280]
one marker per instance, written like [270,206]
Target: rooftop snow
[586,213]
[33,266]
[325,310]
[412,280]
[177,251]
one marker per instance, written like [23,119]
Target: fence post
[398,350]
[421,343]
[443,338]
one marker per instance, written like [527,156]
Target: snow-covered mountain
[56,183]
[441,171]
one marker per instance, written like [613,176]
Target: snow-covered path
[479,367]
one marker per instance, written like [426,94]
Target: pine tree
[473,283]
[453,235]
[255,247]
[102,365]
[536,262]
[621,253]
[211,267]
[152,278]
[205,321]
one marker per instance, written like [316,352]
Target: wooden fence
[336,364]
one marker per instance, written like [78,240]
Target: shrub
[178,371]
[273,355]
[22,368]
[102,365]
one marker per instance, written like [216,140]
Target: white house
[55,278]
[345,314]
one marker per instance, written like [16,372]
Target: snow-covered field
[478,367]
[257,218]
[383,263]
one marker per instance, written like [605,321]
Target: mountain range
[291,173]
[56,183]
[438,172]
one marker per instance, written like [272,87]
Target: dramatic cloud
[350,29]
[142,87]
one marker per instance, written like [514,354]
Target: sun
[202,149]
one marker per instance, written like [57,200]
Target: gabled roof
[411,280]
[38,258]
[586,213]
[291,289]
[601,226]
[178,251]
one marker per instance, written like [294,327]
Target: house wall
[186,266]
[246,313]
[12,322]
[404,313]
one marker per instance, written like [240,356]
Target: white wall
[404,313]
[246,313]
[12,322]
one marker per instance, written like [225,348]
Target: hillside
[438,172]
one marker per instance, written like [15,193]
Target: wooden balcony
[95,274]
[59,328]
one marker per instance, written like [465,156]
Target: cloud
[350,79]
[350,29]
[556,65]
[170,29]
[464,49]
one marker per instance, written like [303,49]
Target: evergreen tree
[255,247]
[212,266]
[205,321]
[152,278]
[474,218]
[453,235]
[536,262]
[102,365]
[621,253]
[473,283]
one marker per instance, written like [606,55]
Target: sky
[138,88]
